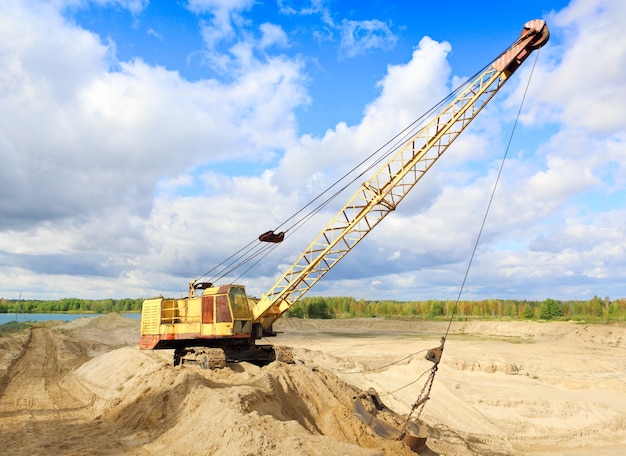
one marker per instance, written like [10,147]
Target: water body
[22,317]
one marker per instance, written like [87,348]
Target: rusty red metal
[534,35]
[412,435]
[270,236]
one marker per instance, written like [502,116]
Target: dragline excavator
[219,323]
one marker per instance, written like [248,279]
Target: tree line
[72,305]
[347,307]
[595,308]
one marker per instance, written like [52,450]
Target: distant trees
[549,309]
[436,309]
[596,308]
[312,308]
[74,305]
[527,311]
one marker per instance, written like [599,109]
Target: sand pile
[10,348]
[98,335]
[503,388]
[242,409]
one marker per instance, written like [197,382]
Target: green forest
[70,305]
[595,309]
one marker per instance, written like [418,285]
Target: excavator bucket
[386,423]
[270,236]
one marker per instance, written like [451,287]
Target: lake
[22,317]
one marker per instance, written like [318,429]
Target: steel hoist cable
[255,250]
[385,366]
[425,392]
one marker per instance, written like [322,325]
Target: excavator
[216,324]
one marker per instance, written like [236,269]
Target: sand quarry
[501,388]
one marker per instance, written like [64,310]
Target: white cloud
[303,7]
[409,89]
[218,7]
[582,83]
[155,34]
[358,37]
[134,6]
[406,92]
[272,35]
[85,137]
[221,31]
[99,156]
[84,146]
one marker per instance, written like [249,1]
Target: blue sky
[143,142]
[167,33]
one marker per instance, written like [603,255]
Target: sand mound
[112,320]
[10,348]
[242,409]
[502,388]
[98,335]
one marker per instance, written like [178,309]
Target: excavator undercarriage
[216,358]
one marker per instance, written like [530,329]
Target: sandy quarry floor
[501,388]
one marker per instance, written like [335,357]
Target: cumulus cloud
[303,6]
[406,92]
[134,6]
[581,81]
[220,30]
[121,178]
[358,37]
[85,140]
[272,35]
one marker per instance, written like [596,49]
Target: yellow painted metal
[151,316]
[380,195]
[178,317]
